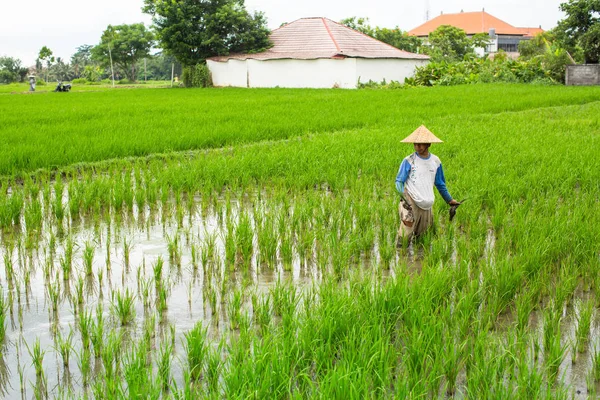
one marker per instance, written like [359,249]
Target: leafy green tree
[81,58]
[359,24]
[580,28]
[193,30]
[590,42]
[11,70]
[536,46]
[46,54]
[449,43]
[394,37]
[126,44]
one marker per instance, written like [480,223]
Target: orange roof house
[507,37]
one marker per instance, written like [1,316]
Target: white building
[316,53]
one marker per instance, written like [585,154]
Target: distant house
[316,53]
[503,36]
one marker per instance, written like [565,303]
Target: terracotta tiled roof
[531,31]
[312,38]
[472,23]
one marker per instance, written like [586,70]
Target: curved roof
[472,23]
[313,38]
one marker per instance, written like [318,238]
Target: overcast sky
[62,25]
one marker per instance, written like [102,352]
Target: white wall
[230,73]
[377,70]
[320,73]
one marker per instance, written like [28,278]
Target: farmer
[416,177]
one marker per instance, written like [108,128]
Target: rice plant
[123,306]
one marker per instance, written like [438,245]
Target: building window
[508,47]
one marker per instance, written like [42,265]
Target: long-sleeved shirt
[418,176]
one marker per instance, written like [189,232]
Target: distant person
[32,83]
[418,173]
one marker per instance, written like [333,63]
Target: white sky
[62,25]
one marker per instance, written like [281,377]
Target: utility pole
[144,70]
[172,72]
[112,72]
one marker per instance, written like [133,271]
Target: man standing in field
[418,173]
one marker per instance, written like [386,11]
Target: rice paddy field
[227,243]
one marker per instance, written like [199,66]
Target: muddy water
[31,317]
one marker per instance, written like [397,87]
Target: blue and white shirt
[417,176]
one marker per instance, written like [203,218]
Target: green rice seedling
[584,321]
[97,333]
[84,363]
[79,291]
[64,346]
[8,264]
[138,376]
[596,364]
[15,205]
[157,269]
[111,354]
[244,238]
[234,308]
[194,257]
[174,249]
[524,304]
[127,247]
[85,323]
[54,295]
[33,215]
[88,258]
[162,294]
[3,310]
[37,358]
[196,350]
[123,306]
[164,364]
[145,286]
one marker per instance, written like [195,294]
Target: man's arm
[440,184]
[402,176]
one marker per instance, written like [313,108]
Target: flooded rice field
[100,303]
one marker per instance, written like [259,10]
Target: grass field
[23,87]
[241,243]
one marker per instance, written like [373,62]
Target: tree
[45,54]
[193,30]
[580,28]
[449,43]
[359,24]
[536,46]
[126,44]
[11,70]
[590,42]
[81,58]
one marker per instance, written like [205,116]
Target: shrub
[80,81]
[196,76]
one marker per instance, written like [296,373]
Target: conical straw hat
[422,135]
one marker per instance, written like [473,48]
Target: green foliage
[545,49]
[81,59]
[197,76]
[195,30]
[590,42]
[11,70]
[475,70]
[395,37]
[126,44]
[92,73]
[449,43]
[580,28]
[536,46]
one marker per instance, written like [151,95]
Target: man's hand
[454,203]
